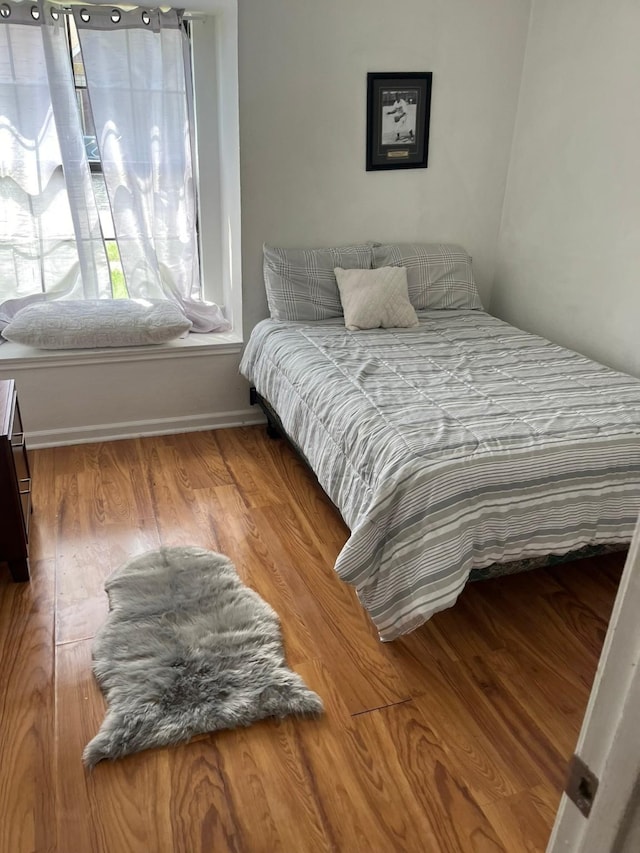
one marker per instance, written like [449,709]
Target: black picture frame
[398,116]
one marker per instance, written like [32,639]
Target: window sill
[18,356]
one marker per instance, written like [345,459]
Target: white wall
[303,68]
[66,402]
[569,250]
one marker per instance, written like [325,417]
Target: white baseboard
[136,429]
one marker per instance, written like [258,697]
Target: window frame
[218,155]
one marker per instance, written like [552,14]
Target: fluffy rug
[187,648]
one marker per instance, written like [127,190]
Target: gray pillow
[93,323]
[301,284]
[439,275]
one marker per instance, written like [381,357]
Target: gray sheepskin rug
[186,649]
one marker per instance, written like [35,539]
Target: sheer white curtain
[50,245]
[137,71]
[137,74]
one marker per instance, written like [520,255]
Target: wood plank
[472,758]
[312,506]
[514,723]
[82,554]
[175,505]
[82,603]
[248,460]
[204,465]
[368,676]
[318,677]
[72,459]
[540,690]
[521,623]
[369,801]
[260,542]
[587,627]
[490,765]
[523,820]
[125,493]
[203,814]
[27,793]
[545,671]
[238,535]
[588,580]
[472,691]
[42,526]
[357,791]
[446,818]
[122,805]
[283,786]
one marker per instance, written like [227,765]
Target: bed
[450,446]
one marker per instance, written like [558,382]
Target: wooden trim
[136,429]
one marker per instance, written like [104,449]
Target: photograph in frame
[398,113]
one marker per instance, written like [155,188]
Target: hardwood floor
[454,738]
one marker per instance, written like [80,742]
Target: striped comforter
[450,446]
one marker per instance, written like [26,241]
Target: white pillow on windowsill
[92,323]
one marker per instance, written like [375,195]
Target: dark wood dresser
[15,485]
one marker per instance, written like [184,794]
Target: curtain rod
[68,10]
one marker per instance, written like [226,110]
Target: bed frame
[274,424]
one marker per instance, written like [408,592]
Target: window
[105,174]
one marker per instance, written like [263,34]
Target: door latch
[581,785]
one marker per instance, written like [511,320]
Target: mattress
[451,446]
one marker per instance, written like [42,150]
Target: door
[609,742]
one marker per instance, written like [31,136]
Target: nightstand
[15,485]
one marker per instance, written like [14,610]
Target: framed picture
[398,110]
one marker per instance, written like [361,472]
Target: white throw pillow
[375,298]
[94,323]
